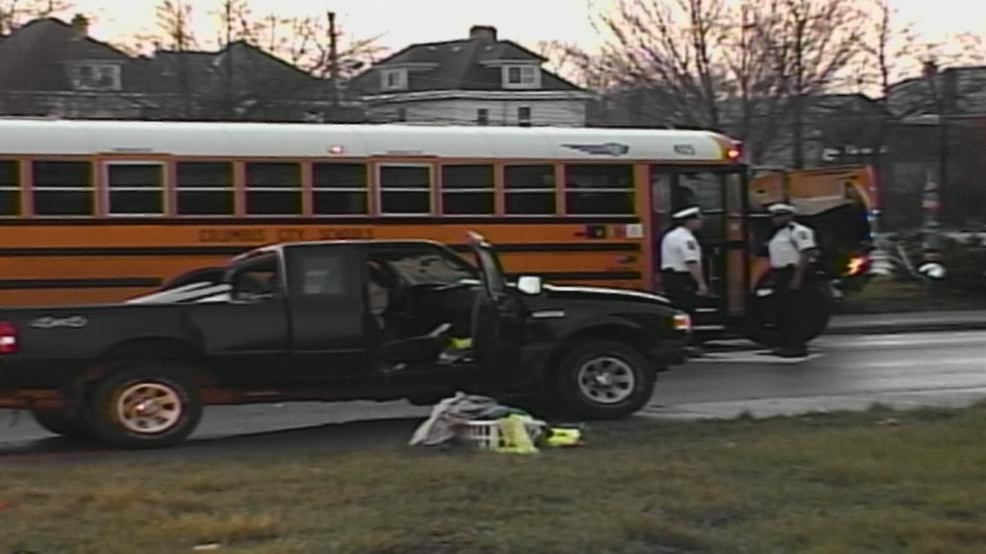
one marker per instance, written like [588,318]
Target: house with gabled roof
[52,68]
[478,80]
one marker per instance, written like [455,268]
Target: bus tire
[144,405]
[760,324]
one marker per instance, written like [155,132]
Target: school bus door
[719,191]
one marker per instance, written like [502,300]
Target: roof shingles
[458,65]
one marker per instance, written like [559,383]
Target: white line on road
[750,357]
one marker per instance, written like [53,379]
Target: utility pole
[334,65]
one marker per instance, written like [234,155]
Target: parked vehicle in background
[293,322]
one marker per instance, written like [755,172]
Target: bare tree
[14,13]
[814,42]
[747,68]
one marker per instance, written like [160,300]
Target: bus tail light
[8,338]
[682,323]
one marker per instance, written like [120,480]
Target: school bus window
[339,189]
[273,188]
[703,188]
[135,188]
[530,189]
[468,190]
[62,188]
[599,189]
[204,188]
[10,188]
[405,189]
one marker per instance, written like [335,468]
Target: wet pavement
[842,373]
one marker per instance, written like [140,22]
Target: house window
[521,76]
[482,116]
[405,189]
[62,188]
[135,188]
[599,189]
[204,188]
[10,188]
[96,76]
[524,116]
[530,189]
[394,79]
[273,188]
[339,188]
[468,190]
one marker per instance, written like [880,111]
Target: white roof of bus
[39,137]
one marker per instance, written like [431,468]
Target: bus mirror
[530,284]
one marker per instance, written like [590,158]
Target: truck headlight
[681,322]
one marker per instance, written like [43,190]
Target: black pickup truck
[333,321]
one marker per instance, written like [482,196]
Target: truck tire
[605,380]
[145,405]
[61,423]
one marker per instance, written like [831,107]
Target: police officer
[791,250]
[681,261]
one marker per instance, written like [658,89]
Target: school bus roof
[40,137]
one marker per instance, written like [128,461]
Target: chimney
[81,25]
[929,69]
[485,33]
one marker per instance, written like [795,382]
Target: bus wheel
[761,325]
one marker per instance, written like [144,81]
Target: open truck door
[497,315]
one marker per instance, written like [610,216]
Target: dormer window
[96,76]
[521,76]
[393,79]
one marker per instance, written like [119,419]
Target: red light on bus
[336,149]
[8,338]
[733,153]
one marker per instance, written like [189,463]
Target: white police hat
[692,211]
[780,208]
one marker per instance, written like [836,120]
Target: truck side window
[256,279]
[322,275]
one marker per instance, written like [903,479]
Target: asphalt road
[843,372]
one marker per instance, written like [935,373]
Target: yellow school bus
[101,211]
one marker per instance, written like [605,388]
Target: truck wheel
[605,380]
[145,406]
[61,423]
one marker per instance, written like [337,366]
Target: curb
[906,327]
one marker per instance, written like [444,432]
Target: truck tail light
[8,338]
[681,322]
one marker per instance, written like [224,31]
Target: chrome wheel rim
[606,380]
[148,408]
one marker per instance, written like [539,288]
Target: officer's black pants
[789,305]
[681,290]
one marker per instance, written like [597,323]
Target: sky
[402,22]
